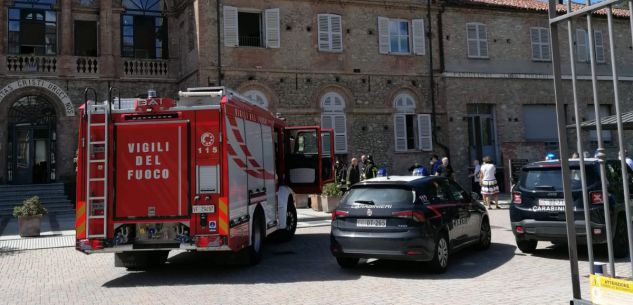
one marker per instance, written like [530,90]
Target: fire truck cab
[211,171]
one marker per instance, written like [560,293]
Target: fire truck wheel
[291,223]
[258,234]
[140,260]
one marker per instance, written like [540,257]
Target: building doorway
[482,133]
[32,137]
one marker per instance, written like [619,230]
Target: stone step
[43,199]
[49,186]
[25,193]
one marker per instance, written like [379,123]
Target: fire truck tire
[291,222]
[140,260]
[258,235]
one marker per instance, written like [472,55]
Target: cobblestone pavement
[298,272]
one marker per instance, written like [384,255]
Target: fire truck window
[306,143]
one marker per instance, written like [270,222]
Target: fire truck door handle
[196,198]
[207,198]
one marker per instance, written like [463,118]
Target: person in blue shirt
[435,164]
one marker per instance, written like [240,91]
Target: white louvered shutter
[323,25]
[383,35]
[272,28]
[425,139]
[471,37]
[419,37]
[545,51]
[581,45]
[483,40]
[535,37]
[599,43]
[230,26]
[336,32]
[340,134]
[326,121]
[400,131]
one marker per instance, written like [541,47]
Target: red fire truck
[211,171]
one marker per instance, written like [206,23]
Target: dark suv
[537,210]
[407,218]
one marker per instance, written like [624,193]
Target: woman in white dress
[489,186]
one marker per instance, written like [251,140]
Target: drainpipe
[431,73]
[217,10]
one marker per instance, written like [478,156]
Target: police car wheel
[485,235]
[439,263]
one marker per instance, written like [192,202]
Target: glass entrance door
[24,152]
[482,132]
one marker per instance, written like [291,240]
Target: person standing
[434,164]
[489,186]
[353,173]
[445,169]
[475,183]
[370,170]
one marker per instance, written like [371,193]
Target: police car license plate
[551,202]
[203,209]
[373,223]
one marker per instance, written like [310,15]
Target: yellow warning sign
[607,290]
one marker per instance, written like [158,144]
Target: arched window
[333,116]
[258,97]
[411,131]
[32,27]
[144,29]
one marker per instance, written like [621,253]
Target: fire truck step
[97,179]
[97,142]
[97,124]
[97,198]
[97,217]
[97,161]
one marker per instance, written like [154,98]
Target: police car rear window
[550,178]
[379,196]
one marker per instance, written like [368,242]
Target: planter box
[315,202]
[29,226]
[329,203]
[301,201]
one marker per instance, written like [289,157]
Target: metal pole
[579,145]
[562,136]
[618,114]
[600,155]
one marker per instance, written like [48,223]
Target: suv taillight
[516,197]
[596,197]
[338,214]
[417,216]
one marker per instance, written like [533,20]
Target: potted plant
[29,216]
[315,202]
[330,197]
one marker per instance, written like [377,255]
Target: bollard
[599,268]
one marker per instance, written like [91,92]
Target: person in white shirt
[475,183]
[489,186]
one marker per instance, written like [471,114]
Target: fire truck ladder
[97,144]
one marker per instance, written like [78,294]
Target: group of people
[485,182]
[347,176]
[437,168]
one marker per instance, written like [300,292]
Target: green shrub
[331,189]
[30,207]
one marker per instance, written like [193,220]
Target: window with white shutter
[330,33]
[419,41]
[251,28]
[383,35]
[333,116]
[272,28]
[411,131]
[230,26]
[599,43]
[477,40]
[425,139]
[540,44]
[582,46]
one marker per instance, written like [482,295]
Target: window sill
[541,60]
[478,57]
[331,51]
[400,54]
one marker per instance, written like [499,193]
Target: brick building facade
[399,79]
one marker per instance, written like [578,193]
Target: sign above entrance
[39,83]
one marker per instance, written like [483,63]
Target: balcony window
[85,38]
[32,28]
[144,29]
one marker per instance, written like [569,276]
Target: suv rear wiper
[365,202]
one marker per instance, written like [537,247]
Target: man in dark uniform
[353,173]
[370,170]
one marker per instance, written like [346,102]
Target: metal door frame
[568,18]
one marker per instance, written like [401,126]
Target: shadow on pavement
[304,259]
[559,251]
[468,263]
